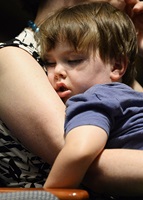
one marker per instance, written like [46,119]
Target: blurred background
[13,19]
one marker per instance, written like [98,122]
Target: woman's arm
[29,106]
[137,86]
[117,172]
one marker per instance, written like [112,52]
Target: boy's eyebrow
[72,52]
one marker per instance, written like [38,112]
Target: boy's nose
[60,72]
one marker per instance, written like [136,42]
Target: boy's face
[72,72]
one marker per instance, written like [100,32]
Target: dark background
[13,19]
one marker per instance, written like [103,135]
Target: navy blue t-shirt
[114,107]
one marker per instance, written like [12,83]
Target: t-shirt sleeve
[89,109]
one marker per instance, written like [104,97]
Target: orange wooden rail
[62,194]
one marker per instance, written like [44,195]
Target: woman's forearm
[117,172]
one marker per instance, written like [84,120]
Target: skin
[22,105]
[135,11]
[29,100]
[125,178]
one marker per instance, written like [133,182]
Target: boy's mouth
[63,92]
[62,89]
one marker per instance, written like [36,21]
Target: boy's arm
[82,146]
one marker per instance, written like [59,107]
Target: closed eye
[50,64]
[75,62]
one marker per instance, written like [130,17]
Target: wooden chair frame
[62,194]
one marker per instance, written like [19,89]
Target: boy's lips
[62,91]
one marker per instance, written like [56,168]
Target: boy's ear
[118,70]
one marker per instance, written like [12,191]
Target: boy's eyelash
[75,61]
[71,62]
[49,63]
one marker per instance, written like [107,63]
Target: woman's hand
[134,9]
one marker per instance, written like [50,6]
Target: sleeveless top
[18,166]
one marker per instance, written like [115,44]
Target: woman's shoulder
[26,41]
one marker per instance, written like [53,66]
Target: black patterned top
[19,167]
